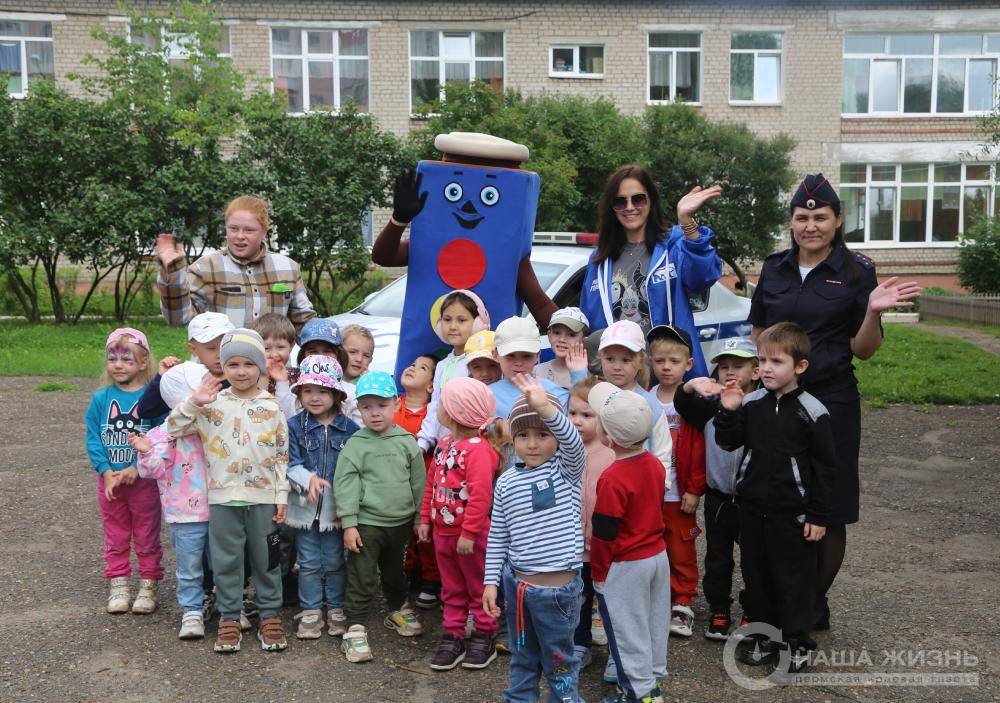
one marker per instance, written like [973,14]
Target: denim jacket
[313,450]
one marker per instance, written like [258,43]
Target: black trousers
[722,534]
[583,637]
[779,570]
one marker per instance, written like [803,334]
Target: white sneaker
[610,671]
[310,624]
[119,597]
[404,621]
[355,645]
[681,621]
[145,601]
[192,626]
[336,622]
[245,623]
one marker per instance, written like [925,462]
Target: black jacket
[789,461]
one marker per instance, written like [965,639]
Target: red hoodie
[459,492]
[689,460]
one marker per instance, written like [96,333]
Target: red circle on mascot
[461,263]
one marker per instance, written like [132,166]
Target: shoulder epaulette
[863,260]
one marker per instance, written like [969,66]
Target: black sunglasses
[635,202]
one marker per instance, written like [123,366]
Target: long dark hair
[850,263]
[611,234]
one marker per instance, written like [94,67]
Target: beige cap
[482,146]
[625,415]
[517,334]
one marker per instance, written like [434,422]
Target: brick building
[882,97]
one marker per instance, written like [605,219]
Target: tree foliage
[979,257]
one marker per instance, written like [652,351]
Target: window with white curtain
[920,73]
[320,69]
[438,58]
[26,53]
[915,203]
[674,67]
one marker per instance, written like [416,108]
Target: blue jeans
[190,542]
[550,618]
[321,554]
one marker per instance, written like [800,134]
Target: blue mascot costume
[471,217]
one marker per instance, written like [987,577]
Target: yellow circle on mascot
[436,311]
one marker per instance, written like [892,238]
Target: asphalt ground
[917,596]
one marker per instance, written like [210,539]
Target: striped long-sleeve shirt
[536,512]
[243,290]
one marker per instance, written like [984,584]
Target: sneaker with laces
[597,633]
[271,633]
[736,634]
[756,651]
[145,600]
[681,621]
[119,597]
[429,596]
[404,621]
[336,622]
[718,626]
[229,637]
[192,626]
[610,674]
[482,651]
[310,625]
[620,696]
[245,624]
[450,652]
[355,644]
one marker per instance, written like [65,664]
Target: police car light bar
[580,238]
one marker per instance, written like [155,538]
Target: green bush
[979,257]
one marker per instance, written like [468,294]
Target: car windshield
[388,302]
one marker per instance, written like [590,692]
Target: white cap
[625,415]
[572,318]
[483,146]
[517,334]
[624,333]
[209,325]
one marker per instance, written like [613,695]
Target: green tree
[323,173]
[979,257]
[684,149]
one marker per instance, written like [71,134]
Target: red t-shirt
[409,420]
[458,496]
[628,522]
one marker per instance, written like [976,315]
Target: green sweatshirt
[379,479]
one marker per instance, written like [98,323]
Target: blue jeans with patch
[321,554]
[545,642]
[190,542]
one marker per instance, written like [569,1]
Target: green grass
[56,387]
[46,349]
[917,366]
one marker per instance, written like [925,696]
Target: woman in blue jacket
[627,275]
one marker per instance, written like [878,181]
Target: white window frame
[576,73]
[757,53]
[897,183]
[935,57]
[23,46]
[442,60]
[182,53]
[305,57]
[673,64]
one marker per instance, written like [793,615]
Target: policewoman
[833,294]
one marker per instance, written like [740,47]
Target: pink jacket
[599,458]
[178,465]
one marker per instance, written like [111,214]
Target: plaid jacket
[244,291]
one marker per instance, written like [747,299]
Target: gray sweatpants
[635,607]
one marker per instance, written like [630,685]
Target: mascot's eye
[489,195]
[453,192]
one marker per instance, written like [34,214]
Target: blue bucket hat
[322,329]
[377,383]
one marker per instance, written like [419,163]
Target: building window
[920,74]
[755,67]
[25,54]
[178,46]
[438,58]
[576,61]
[915,203]
[320,69]
[674,67]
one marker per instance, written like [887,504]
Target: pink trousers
[134,515]
[462,585]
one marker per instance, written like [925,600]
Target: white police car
[560,261]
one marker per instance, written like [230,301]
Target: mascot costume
[471,218]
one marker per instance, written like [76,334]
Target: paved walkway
[983,340]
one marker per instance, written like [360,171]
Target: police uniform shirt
[827,304]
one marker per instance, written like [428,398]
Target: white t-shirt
[674,420]
[803,271]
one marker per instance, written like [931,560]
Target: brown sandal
[229,636]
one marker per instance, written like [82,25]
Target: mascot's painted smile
[453,193]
